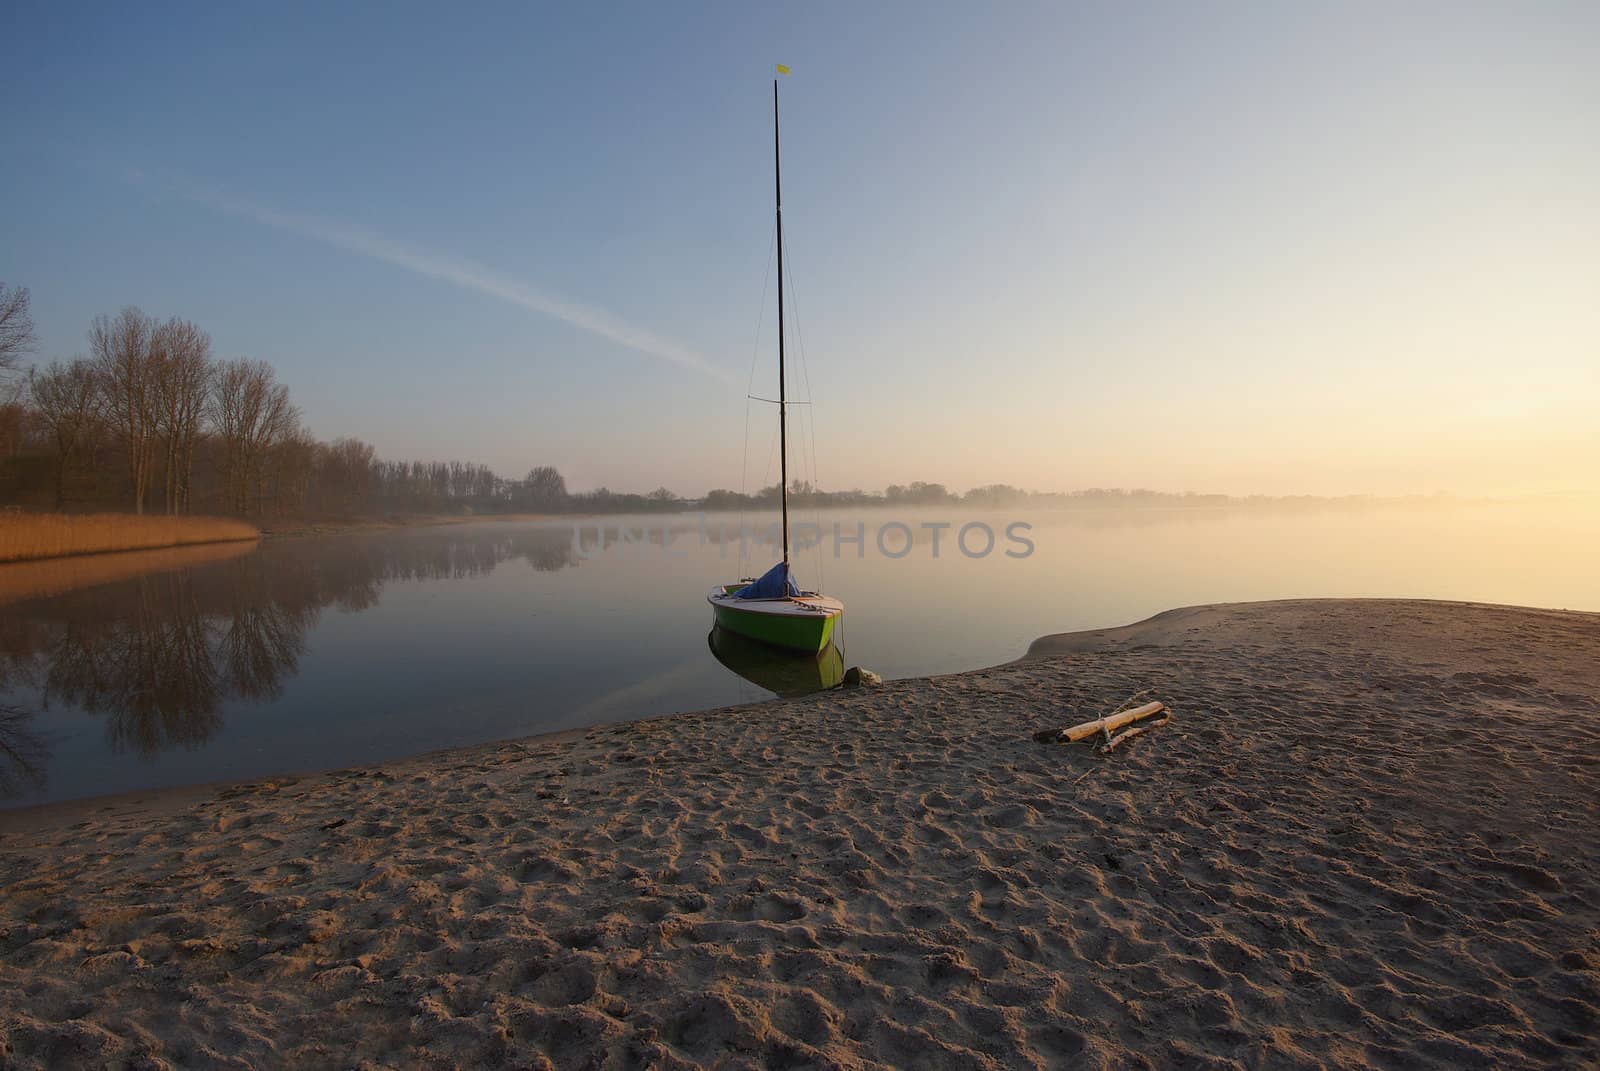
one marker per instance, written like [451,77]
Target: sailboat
[774,609]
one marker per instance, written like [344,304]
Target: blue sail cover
[775,583]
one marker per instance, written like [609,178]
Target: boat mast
[783,406]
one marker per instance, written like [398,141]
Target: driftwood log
[1111,723]
[1131,733]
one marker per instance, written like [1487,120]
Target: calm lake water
[129,672]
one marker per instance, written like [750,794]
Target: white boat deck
[803,606]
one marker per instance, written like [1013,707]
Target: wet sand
[1367,839]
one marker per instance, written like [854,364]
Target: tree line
[151,419]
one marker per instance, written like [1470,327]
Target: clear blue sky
[1229,247]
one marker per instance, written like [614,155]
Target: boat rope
[809,426]
[755,354]
[761,317]
[743,464]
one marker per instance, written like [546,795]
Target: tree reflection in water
[147,665]
[23,755]
[159,655]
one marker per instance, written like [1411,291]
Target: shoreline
[150,802]
[115,552]
[1156,630]
[1365,839]
[302,528]
[48,577]
[27,538]
[340,526]
[40,815]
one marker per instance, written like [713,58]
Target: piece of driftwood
[1110,723]
[1139,730]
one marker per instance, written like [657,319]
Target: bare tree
[16,325]
[16,338]
[291,462]
[181,353]
[16,420]
[346,475]
[251,414]
[67,399]
[122,356]
[545,489]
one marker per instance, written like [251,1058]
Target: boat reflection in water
[785,673]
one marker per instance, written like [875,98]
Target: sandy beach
[1368,838]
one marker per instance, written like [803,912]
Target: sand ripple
[1366,840]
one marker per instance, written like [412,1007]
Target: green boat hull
[810,633]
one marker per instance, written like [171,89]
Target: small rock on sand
[856,677]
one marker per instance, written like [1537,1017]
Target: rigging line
[800,341]
[755,353]
[800,430]
[772,451]
[744,463]
[816,499]
[805,370]
[809,441]
[799,335]
[816,518]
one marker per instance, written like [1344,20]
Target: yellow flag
[782,69]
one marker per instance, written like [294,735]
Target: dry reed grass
[30,536]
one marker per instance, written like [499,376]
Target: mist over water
[302,654]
